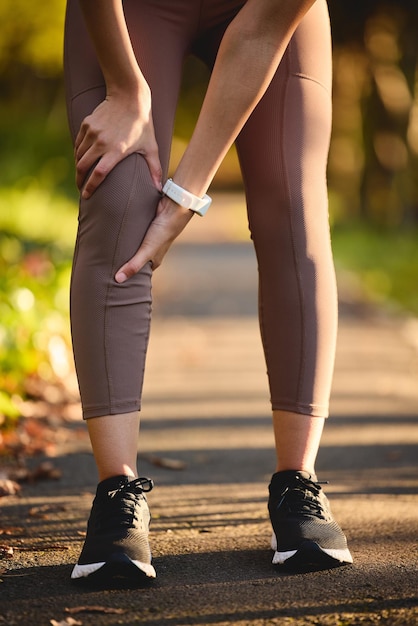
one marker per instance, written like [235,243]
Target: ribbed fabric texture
[283,154]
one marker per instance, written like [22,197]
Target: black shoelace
[302,498]
[138,485]
[121,508]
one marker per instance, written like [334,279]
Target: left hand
[168,223]
[120,125]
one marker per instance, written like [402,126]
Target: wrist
[186,199]
[133,87]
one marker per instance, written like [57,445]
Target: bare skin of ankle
[114,439]
[297,440]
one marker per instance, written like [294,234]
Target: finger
[84,165]
[102,168]
[135,264]
[79,138]
[84,145]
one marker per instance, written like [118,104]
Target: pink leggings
[283,152]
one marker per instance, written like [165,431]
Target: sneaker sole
[118,568]
[311,555]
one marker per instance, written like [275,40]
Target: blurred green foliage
[31,36]
[383,262]
[37,233]
[373,172]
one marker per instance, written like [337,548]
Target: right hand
[169,221]
[119,126]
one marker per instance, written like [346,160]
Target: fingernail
[121,277]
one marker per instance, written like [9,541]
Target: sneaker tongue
[307,475]
[286,475]
[113,483]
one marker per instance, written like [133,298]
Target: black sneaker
[116,545]
[305,535]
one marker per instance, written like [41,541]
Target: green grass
[385,263]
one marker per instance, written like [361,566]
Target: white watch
[186,199]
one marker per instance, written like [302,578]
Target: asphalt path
[206,441]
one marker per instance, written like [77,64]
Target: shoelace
[138,485]
[121,507]
[303,498]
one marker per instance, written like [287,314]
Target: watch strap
[186,199]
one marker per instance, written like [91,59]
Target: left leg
[297,438]
[283,153]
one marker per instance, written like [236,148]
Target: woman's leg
[283,152]
[110,322]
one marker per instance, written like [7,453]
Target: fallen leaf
[68,621]
[45,471]
[166,463]
[8,487]
[6,552]
[43,511]
[94,609]
[12,530]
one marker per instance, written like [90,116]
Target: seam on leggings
[83,91]
[111,285]
[100,410]
[312,79]
[302,358]
[314,410]
[288,405]
[70,104]
[199,16]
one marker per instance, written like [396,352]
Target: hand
[163,230]
[118,127]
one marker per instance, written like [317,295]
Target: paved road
[206,412]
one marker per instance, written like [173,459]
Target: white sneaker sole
[84,571]
[340,556]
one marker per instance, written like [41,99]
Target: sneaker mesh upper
[299,511]
[118,522]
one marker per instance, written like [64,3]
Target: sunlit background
[373,179]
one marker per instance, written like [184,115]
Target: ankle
[295,467]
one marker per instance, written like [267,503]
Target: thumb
[136,263]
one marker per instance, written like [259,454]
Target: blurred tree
[373,166]
[33,132]
[373,169]
[374,152]
[30,39]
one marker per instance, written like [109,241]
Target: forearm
[248,57]
[106,24]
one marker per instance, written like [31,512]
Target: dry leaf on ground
[6,552]
[94,609]
[8,487]
[166,463]
[68,621]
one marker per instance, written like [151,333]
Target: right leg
[110,322]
